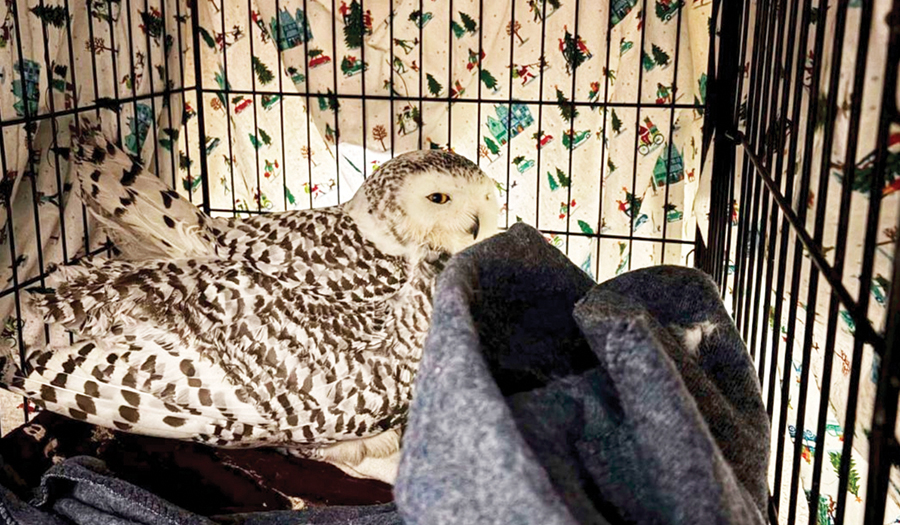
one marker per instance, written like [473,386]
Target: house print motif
[290,31]
[671,164]
[619,10]
[514,120]
[27,88]
[139,124]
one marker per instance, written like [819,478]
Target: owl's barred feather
[144,217]
[299,329]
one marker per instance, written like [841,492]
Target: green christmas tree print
[152,22]
[468,23]
[266,139]
[623,258]
[55,15]
[571,51]
[354,26]
[262,140]
[434,87]
[492,146]
[329,101]
[458,30]
[647,62]
[263,73]
[701,86]
[660,56]
[467,26]
[223,85]
[560,181]
[823,514]
[489,81]
[169,138]
[207,38]
[185,164]
[553,184]
[616,123]
[852,476]
[566,109]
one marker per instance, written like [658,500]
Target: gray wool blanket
[542,398]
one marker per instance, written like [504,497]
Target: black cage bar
[766,164]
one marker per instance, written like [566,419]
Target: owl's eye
[439,198]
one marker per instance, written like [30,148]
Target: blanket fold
[541,398]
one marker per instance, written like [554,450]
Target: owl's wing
[224,351]
[140,212]
[150,384]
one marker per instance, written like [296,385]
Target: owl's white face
[446,213]
[426,201]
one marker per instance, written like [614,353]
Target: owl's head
[431,199]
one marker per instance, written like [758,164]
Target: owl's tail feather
[103,385]
[141,415]
[144,217]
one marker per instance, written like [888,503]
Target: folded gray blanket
[541,398]
[544,399]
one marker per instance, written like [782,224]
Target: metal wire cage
[786,95]
[801,90]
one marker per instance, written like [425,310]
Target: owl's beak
[475,227]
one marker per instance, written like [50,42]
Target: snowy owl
[301,329]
